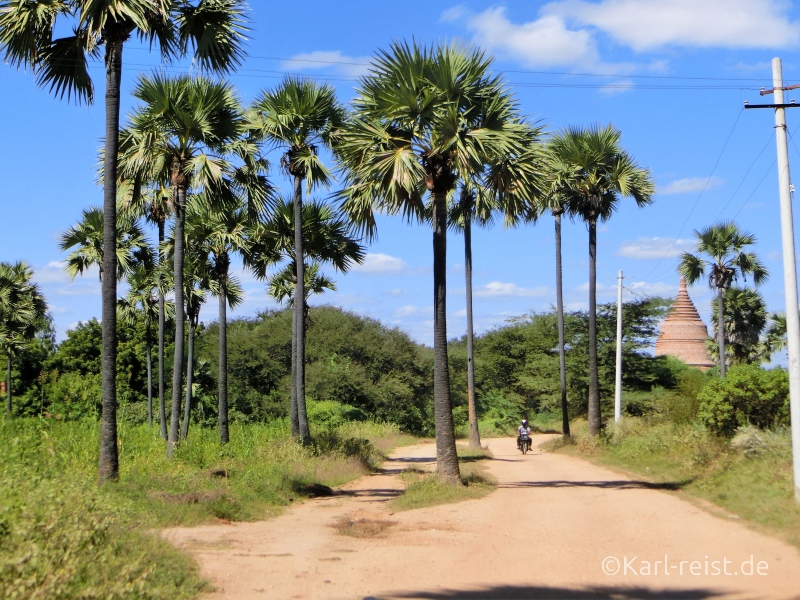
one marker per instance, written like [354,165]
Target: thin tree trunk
[594,391]
[299,296]
[474,435]
[177,365]
[161,335]
[187,412]
[148,346]
[223,361]
[9,406]
[721,330]
[108,469]
[562,354]
[293,421]
[446,457]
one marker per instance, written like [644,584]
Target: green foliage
[748,395]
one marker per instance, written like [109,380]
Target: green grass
[426,489]
[63,537]
[750,476]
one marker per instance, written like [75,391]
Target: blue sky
[672,75]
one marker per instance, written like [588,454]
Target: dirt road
[557,527]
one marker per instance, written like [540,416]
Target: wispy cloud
[328,60]
[618,87]
[654,248]
[382,264]
[690,185]
[499,289]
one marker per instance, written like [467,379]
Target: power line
[750,168]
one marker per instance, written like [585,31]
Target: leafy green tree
[721,249]
[592,172]
[423,120]
[190,125]
[212,29]
[327,238]
[23,313]
[299,117]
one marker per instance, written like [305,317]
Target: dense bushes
[748,395]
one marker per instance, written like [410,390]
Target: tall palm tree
[328,237]
[721,249]
[299,117]
[185,128]
[213,30]
[592,173]
[423,119]
[221,234]
[745,319]
[88,240]
[23,313]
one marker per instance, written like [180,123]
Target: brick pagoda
[683,333]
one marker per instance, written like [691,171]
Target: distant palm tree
[299,117]
[282,285]
[721,249]
[186,128]
[592,172]
[23,312]
[328,237]
[745,320]
[423,120]
[213,29]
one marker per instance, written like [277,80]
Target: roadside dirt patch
[364,527]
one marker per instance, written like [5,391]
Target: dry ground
[548,531]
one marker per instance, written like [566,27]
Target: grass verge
[63,537]
[426,489]
[750,475]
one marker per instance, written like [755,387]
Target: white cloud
[618,87]
[690,185]
[331,60]
[498,289]
[651,24]
[654,248]
[412,310]
[381,264]
[454,14]
[546,42]
[55,272]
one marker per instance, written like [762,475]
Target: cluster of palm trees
[433,135]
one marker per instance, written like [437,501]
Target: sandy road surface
[545,533]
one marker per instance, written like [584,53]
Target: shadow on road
[512,592]
[624,484]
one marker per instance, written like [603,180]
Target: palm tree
[88,240]
[146,289]
[745,319]
[327,238]
[23,312]
[721,249]
[220,234]
[298,117]
[592,173]
[185,130]
[213,29]
[425,118]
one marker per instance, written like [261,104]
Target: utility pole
[618,384]
[789,266]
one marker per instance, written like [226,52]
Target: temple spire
[683,333]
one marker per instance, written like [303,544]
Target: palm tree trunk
[721,329]
[109,457]
[474,434]
[594,391]
[223,361]
[299,296]
[177,364]
[148,348]
[294,423]
[562,354]
[446,457]
[161,335]
[8,385]
[187,412]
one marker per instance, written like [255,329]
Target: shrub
[749,395]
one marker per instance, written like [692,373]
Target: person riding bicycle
[523,430]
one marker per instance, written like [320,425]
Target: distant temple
[683,333]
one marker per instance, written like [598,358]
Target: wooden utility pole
[789,264]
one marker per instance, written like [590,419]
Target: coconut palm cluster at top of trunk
[212,30]
[23,310]
[423,120]
[721,249]
[589,173]
[299,118]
